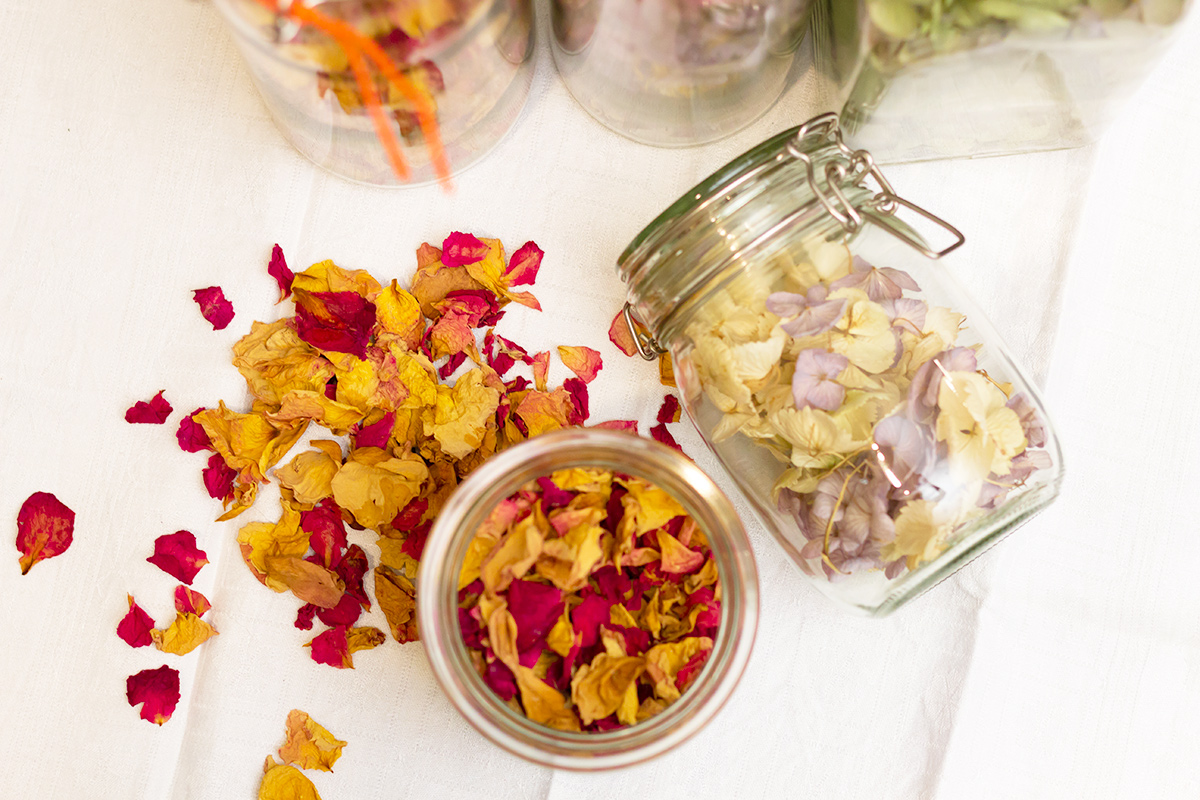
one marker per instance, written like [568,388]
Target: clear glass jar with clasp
[471,504]
[852,389]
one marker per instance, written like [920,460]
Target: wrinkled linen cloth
[137,163]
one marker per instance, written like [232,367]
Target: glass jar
[676,72]
[923,80]
[470,505]
[472,58]
[816,342]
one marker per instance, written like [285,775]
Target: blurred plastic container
[926,79]
[474,60]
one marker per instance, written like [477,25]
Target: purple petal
[816,318]
[923,393]
[825,395]
[786,304]
[907,313]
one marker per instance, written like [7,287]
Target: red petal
[462,248]
[411,515]
[213,305]
[326,533]
[189,601]
[669,411]
[660,434]
[524,264]
[331,648]
[535,607]
[218,477]
[153,413]
[339,322]
[278,269]
[134,629]
[345,613]
[377,433]
[177,555]
[157,690]
[191,435]
[45,528]
[579,399]
[351,570]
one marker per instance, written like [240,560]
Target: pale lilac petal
[923,393]
[816,319]
[1031,421]
[903,451]
[826,395]
[786,304]
[907,313]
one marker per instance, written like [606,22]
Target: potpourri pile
[589,600]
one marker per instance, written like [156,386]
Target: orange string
[355,45]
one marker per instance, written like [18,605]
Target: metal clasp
[857,166]
[647,347]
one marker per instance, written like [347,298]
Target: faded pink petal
[523,266]
[189,601]
[583,361]
[213,305]
[626,425]
[815,380]
[177,555]
[154,412]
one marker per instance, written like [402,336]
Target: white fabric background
[137,163]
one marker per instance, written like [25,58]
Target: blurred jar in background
[676,72]
[471,58]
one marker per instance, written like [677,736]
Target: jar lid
[805,178]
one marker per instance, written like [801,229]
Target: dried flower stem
[833,512]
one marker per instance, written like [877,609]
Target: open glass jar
[856,395]
[925,79]
[470,506]
[471,59]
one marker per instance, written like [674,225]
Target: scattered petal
[309,745]
[157,690]
[45,529]
[213,305]
[278,269]
[583,361]
[134,628]
[154,412]
[177,555]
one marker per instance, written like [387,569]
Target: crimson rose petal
[177,555]
[157,690]
[45,528]
[213,305]
[154,412]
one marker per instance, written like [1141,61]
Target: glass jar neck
[467,509]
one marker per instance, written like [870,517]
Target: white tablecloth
[137,163]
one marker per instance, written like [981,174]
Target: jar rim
[437,598]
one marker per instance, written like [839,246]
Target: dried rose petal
[346,612]
[338,322]
[213,305]
[45,529]
[336,646]
[154,412]
[351,570]
[500,680]
[326,532]
[660,434]
[579,400]
[134,628]
[583,361]
[158,692]
[189,601]
[218,477]
[304,617]
[524,264]
[626,425]
[278,269]
[535,607]
[177,555]
[377,433]
[191,435]
[619,334]
[669,410]
[460,249]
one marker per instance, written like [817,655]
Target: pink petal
[278,269]
[177,555]
[524,264]
[462,248]
[213,305]
[154,412]
[189,601]
[134,628]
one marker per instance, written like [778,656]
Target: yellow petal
[663,662]
[184,635]
[283,782]
[309,745]
[599,688]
